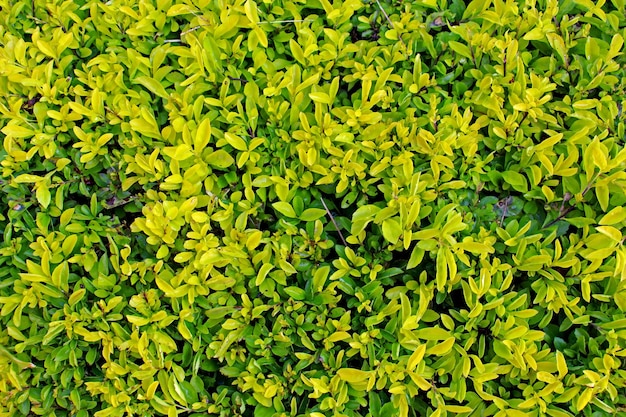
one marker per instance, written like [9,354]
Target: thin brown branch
[334,222]
[392,25]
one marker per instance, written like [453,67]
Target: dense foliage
[312,208]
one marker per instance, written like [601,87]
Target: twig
[285,21]
[334,222]
[563,213]
[391,23]
[191,30]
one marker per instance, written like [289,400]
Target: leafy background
[310,208]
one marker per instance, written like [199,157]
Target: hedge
[312,208]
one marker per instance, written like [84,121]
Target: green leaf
[516,180]
[417,255]
[460,49]
[320,277]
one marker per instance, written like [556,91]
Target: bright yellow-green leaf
[353,375]
[220,159]
[235,141]
[250,8]
[442,348]
[416,357]
[17,131]
[312,214]
[391,230]
[610,232]
[152,85]
[320,276]
[442,269]
[285,209]
[320,97]
[76,297]
[46,48]
[263,271]
[584,399]
[203,135]
[616,215]
[178,9]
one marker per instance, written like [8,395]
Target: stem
[23,365]
[285,21]
[570,208]
[391,23]
[333,220]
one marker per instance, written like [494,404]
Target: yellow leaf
[64,41]
[235,141]
[285,209]
[250,9]
[151,390]
[442,269]
[337,336]
[391,230]
[353,375]
[179,9]
[27,178]
[152,85]
[391,34]
[459,409]
[515,413]
[17,131]
[220,159]
[420,381]
[320,97]
[263,271]
[253,240]
[416,357]
[76,297]
[203,135]
[584,399]
[442,348]
[616,215]
[45,47]
[610,232]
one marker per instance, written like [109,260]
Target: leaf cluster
[286,208]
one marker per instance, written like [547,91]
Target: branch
[333,220]
[392,25]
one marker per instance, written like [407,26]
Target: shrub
[290,208]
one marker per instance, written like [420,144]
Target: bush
[310,208]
